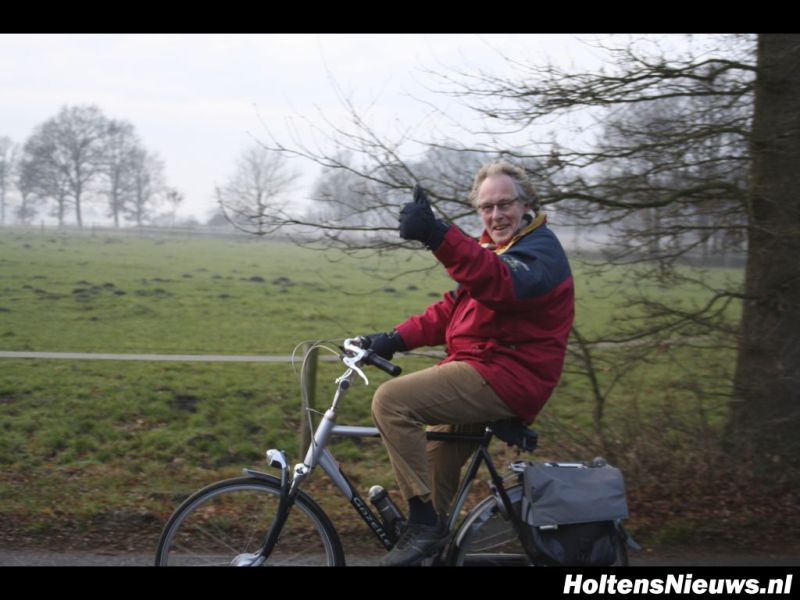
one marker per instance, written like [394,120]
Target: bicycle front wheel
[227,522]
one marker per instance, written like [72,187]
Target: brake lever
[350,371]
[352,362]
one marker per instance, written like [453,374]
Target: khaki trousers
[449,397]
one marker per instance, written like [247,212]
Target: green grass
[118,294]
[80,439]
[94,436]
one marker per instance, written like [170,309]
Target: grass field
[101,446]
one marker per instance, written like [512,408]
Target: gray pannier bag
[573,510]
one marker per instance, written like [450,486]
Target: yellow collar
[486,241]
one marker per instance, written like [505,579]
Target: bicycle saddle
[515,433]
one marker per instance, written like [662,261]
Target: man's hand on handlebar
[374,358]
[384,344]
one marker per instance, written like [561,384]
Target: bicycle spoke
[226,522]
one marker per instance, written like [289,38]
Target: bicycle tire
[487,537]
[227,522]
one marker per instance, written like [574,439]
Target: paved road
[664,558]
[37,558]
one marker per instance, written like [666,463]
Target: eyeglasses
[503,206]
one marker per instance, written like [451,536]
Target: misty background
[198,101]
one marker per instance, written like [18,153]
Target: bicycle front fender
[259,475]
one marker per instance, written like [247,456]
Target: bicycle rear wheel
[487,537]
[226,523]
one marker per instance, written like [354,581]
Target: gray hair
[523,187]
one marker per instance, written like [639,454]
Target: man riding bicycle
[505,327]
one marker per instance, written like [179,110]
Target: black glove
[385,344]
[417,221]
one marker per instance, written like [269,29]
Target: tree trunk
[78,215]
[765,411]
[115,209]
[61,210]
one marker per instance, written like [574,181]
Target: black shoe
[416,543]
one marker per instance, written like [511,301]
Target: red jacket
[509,317]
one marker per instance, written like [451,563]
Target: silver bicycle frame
[319,455]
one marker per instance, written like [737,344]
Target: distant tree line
[78,157]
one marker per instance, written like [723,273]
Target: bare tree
[7,164]
[365,181]
[250,198]
[174,198]
[67,153]
[121,149]
[349,211]
[340,197]
[39,181]
[27,184]
[684,150]
[369,176]
[766,404]
[147,183]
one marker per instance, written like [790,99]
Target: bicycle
[260,519]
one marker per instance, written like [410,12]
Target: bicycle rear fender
[482,512]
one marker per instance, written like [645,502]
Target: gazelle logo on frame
[673,584]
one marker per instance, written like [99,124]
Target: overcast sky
[198,100]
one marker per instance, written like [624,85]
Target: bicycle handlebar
[367,356]
[384,365]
